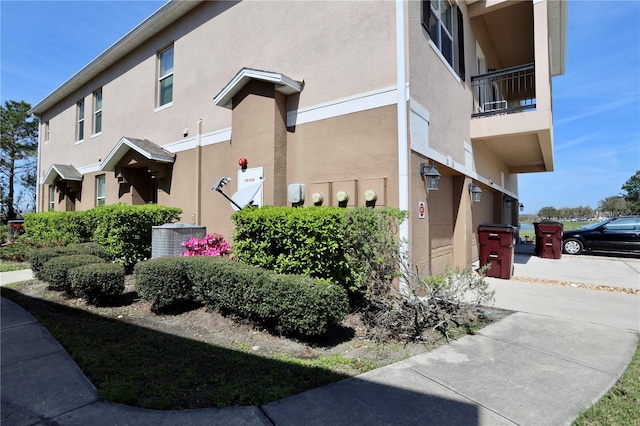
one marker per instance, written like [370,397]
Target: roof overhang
[283,84]
[66,172]
[557,18]
[159,20]
[144,147]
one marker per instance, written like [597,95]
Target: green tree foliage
[612,206]
[548,212]
[632,196]
[19,133]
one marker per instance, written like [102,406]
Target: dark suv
[616,234]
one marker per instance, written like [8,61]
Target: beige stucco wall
[337,50]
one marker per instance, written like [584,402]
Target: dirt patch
[198,323]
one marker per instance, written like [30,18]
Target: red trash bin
[497,243]
[548,239]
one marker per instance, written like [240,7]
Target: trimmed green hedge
[97,282]
[352,247]
[123,230]
[56,270]
[164,281]
[38,257]
[57,227]
[290,304]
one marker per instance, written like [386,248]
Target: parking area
[601,270]
[594,289]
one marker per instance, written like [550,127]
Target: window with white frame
[80,124]
[445,24]
[165,77]
[52,197]
[46,132]
[97,111]
[101,192]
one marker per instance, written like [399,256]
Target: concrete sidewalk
[541,366]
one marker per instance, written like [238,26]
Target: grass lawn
[7,266]
[530,235]
[621,405]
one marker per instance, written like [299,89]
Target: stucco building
[353,100]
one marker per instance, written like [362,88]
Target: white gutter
[403,153]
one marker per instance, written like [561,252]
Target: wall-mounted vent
[166,240]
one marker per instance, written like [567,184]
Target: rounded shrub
[97,282]
[91,248]
[163,281]
[56,270]
[39,257]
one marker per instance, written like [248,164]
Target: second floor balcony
[505,91]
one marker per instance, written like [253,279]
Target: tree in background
[613,206]
[632,197]
[548,212]
[18,151]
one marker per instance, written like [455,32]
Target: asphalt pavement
[565,347]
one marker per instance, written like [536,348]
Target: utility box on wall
[296,193]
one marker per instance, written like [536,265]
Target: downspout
[403,154]
[38,186]
[198,218]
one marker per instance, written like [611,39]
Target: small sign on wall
[421,210]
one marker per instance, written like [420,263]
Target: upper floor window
[445,26]
[80,124]
[101,193]
[165,76]
[46,132]
[97,111]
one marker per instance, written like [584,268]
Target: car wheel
[572,246]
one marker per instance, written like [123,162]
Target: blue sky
[596,102]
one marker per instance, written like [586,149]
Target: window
[80,114]
[46,131]
[52,197]
[445,26]
[97,111]
[100,190]
[165,76]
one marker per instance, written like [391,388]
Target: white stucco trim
[210,138]
[348,105]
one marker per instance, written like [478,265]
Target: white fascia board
[284,84]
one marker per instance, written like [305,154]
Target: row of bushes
[124,230]
[80,270]
[290,304]
[357,247]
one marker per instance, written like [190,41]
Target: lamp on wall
[521,206]
[431,176]
[476,192]
[507,202]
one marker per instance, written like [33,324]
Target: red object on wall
[242,162]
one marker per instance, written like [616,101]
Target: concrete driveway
[590,288]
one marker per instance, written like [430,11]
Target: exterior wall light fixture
[476,192]
[507,202]
[431,176]
[521,206]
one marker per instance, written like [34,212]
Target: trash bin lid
[497,226]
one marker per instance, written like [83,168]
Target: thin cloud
[598,109]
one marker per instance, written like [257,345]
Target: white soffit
[66,172]
[557,19]
[283,84]
[146,148]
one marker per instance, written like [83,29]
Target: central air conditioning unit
[167,239]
